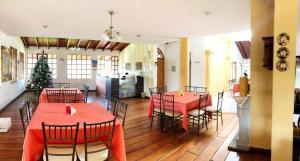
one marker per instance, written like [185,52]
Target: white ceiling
[157,21]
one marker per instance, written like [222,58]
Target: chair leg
[193,121]
[199,125]
[222,118]
[162,123]
[151,120]
[217,121]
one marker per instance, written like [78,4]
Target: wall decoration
[94,63]
[21,66]
[138,66]
[14,64]
[128,66]
[283,39]
[282,65]
[282,53]
[5,64]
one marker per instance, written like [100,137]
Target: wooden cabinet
[107,87]
[268,52]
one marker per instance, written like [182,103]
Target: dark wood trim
[24,42]
[260,150]
[68,43]
[37,43]
[98,45]
[88,44]
[78,43]
[48,43]
[106,45]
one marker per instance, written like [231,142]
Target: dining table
[182,103]
[43,95]
[55,113]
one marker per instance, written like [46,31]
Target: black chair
[190,89]
[162,89]
[169,112]
[54,96]
[60,142]
[30,107]
[24,116]
[154,89]
[121,111]
[69,95]
[201,90]
[197,114]
[216,111]
[86,93]
[157,107]
[111,105]
[97,141]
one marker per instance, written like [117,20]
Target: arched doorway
[160,68]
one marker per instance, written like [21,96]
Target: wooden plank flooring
[145,143]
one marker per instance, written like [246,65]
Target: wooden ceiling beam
[48,43]
[106,45]
[58,40]
[124,46]
[115,46]
[37,43]
[88,44]
[68,43]
[78,43]
[24,42]
[99,43]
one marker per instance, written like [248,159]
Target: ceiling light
[110,33]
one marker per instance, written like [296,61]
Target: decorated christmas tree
[41,76]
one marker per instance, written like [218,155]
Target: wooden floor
[145,143]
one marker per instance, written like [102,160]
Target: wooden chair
[69,95]
[157,107]
[201,90]
[162,89]
[86,93]
[121,111]
[31,108]
[198,113]
[190,89]
[54,96]
[111,105]
[60,142]
[100,149]
[169,111]
[216,111]
[24,116]
[153,89]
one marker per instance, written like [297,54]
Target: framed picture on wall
[14,64]
[21,66]
[138,66]
[6,66]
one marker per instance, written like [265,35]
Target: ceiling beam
[106,45]
[48,43]
[78,43]
[115,46]
[37,43]
[98,45]
[124,46]
[58,40]
[24,42]
[68,43]
[88,44]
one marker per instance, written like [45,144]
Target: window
[108,65]
[52,62]
[79,66]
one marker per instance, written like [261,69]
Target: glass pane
[89,76]
[69,57]
[84,57]
[69,62]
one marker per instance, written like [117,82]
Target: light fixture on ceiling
[110,33]
[75,48]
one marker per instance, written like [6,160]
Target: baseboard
[260,150]
[6,106]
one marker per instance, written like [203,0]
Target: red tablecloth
[235,88]
[43,96]
[54,113]
[182,104]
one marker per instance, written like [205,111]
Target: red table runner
[55,113]
[43,96]
[182,104]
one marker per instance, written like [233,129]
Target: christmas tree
[41,76]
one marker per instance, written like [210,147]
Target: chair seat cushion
[59,149]
[97,156]
[211,109]
[170,113]
[195,112]
[157,110]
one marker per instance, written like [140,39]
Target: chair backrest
[86,93]
[98,131]
[203,101]
[60,136]
[220,100]
[190,88]
[111,105]
[24,116]
[162,89]
[54,96]
[121,111]
[153,89]
[69,95]
[168,103]
[157,101]
[201,89]
[30,107]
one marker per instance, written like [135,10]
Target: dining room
[147,80]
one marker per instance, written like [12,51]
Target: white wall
[62,54]
[10,90]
